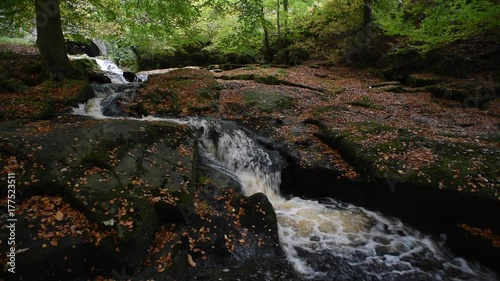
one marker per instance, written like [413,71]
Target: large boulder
[181,92]
[79,48]
[112,173]
[127,199]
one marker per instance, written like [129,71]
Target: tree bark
[278,20]
[50,41]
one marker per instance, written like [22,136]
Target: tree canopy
[260,28]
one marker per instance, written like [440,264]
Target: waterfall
[327,239]
[113,71]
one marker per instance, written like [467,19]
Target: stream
[323,239]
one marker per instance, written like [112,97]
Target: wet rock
[395,188]
[97,76]
[130,76]
[79,48]
[136,191]
[113,172]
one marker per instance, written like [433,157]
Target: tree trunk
[50,41]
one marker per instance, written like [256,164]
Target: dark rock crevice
[428,209]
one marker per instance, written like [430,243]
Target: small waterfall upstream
[326,239]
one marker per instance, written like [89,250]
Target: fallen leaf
[190,261]
[59,216]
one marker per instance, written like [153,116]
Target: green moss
[268,80]
[48,112]
[208,93]
[153,98]
[10,85]
[85,65]
[286,103]
[492,138]
[366,102]
[327,111]
[99,158]
[282,72]
[337,91]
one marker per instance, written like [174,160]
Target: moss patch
[367,103]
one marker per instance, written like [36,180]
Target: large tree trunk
[50,41]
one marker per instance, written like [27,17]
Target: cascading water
[324,240]
[113,71]
[107,95]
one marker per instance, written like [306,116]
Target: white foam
[362,238]
[92,109]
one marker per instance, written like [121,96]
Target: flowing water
[326,239]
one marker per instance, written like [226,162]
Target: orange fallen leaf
[59,216]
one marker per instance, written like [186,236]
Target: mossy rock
[367,103]
[179,93]
[416,80]
[85,65]
[112,171]
[46,100]
[10,85]
[459,168]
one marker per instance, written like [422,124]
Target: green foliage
[433,23]
[293,55]
[286,30]
[16,17]
[330,27]
[123,56]
[233,37]
[16,41]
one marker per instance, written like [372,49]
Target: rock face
[182,92]
[130,76]
[79,48]
[102,196]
